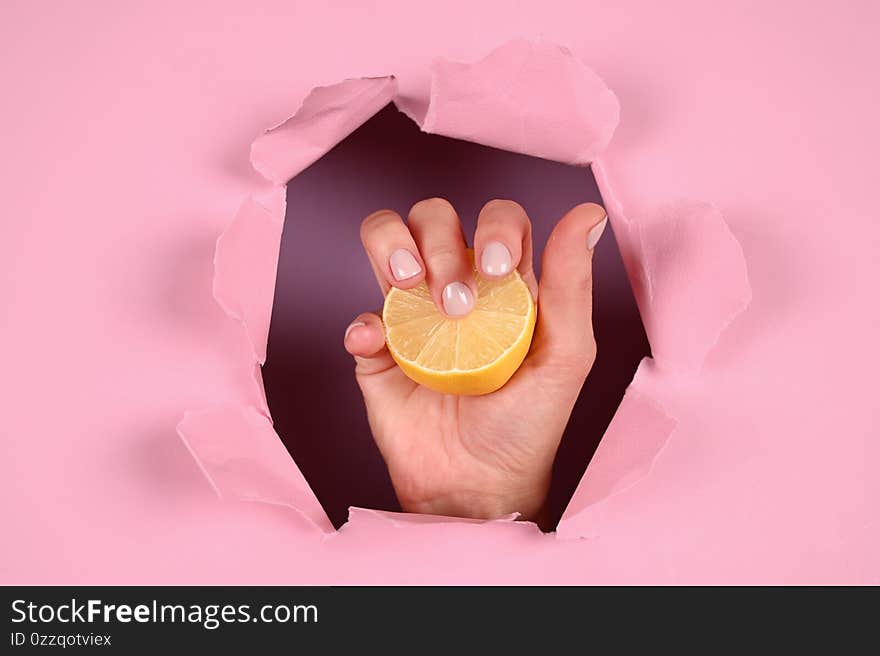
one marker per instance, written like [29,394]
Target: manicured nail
[457,299]
[403,264]
[496,260]
[352,327]
[595,233]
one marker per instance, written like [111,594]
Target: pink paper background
[127,134]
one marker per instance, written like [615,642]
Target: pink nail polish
[457,299]
[404,264]
[595,233]
[348,330]
[496,260]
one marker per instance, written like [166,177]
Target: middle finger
[436,228]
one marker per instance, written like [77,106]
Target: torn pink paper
[530,98]
[697,282]
[688,275]
[326,117]
[245,264]
[400,519]
[686,268]
[637,433]
[263,406]
[243,459]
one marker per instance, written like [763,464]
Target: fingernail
[595,233]
[403,264]
[496,260]
[457,299]
[352,327]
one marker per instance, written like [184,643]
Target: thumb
[564,336]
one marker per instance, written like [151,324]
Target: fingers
[564,334]
[433,248]
[365,340]
[436,229]
[392,251]
[503,241]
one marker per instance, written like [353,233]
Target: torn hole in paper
[489,102]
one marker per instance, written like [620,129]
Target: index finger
[392,251]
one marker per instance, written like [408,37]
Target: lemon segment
[470,355]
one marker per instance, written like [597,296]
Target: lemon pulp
[474,354]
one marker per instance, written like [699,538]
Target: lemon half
[470,355]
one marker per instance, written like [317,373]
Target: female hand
[478,456]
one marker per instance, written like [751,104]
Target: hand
[478,456]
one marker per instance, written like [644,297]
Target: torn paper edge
[577,119]
[637,435]
[725,301]
[402,519]
[279,481]
[330,112]
[276,156]
[243,286]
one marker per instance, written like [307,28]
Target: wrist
[526,501]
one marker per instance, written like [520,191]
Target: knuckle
[431,207]
[503,205]
[580,357]
[584,285]
[578,291]
[444,256]
[376,222]
[504,215]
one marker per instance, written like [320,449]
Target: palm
[444,451]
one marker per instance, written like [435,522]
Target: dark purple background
[324,281]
